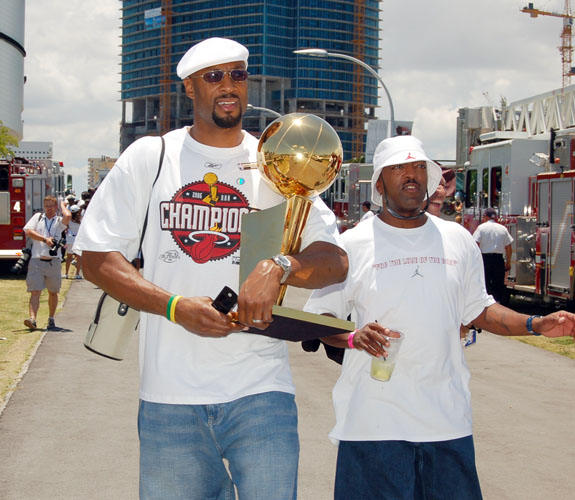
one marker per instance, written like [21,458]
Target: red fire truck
[528,176]
[23,186]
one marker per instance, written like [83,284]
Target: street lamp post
[325,53]
[267,110]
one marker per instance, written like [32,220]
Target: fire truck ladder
[541,113]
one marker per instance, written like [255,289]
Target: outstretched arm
[503,321]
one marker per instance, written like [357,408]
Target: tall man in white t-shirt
[411,437]
[208,390]
[45,269]
[494,241]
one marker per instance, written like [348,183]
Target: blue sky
[437,56]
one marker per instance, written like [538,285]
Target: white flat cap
[399,150]
[210,52]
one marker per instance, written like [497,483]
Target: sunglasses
[217,75]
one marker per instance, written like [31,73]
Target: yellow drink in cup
[382,368]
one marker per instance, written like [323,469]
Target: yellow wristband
[171,309]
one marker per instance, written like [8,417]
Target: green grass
[562,345]
[16,341]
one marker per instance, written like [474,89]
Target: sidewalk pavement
[69,430]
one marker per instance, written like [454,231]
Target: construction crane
[566,47]
[166,68]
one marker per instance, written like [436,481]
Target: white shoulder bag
[115,323]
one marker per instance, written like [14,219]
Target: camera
[57,245]
[22,263]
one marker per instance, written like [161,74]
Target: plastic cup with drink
[382,367]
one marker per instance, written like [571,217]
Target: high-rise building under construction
[155,35]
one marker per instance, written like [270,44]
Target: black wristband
[529,325]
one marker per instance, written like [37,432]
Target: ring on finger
[257,321]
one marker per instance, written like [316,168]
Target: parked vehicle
[525,168]
[23,186]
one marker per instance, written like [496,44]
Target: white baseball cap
[398,150]
[210,52]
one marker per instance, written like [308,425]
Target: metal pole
[258,108]
[325,53]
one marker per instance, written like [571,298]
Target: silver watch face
[282,261]
[285,264]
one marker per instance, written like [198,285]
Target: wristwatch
[282,261]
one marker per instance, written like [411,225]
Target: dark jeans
[494,268]
[402,470]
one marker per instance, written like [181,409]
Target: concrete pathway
[69,430]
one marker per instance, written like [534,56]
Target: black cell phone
[226,300]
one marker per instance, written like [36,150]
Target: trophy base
[296,326]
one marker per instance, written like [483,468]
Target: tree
[6,141]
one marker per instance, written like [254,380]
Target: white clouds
[440,55]
[72,91]
[437,56]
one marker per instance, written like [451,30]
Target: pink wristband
[350,340]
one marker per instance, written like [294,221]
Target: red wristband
[350,340]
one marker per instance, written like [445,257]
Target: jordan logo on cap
[409,157]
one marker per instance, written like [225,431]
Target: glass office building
[155,35]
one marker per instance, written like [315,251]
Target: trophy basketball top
[299,154]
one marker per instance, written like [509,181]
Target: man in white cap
[208,390]
[411,436]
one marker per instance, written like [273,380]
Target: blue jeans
[182,448]
[402,470]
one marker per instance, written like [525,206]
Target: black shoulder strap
[148,209]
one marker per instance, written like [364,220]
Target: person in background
[436,199]
[411,437]
[366,209]
[73,228]
[44,270]
[494,241]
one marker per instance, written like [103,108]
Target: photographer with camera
[44,270]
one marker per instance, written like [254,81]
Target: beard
[227,121]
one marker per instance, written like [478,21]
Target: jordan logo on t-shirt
[417,273]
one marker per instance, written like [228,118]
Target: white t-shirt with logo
[191,249]
[49,228]
[424,282]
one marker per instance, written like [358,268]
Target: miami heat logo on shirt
[204,218]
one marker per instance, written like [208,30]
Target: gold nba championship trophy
[299,156]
